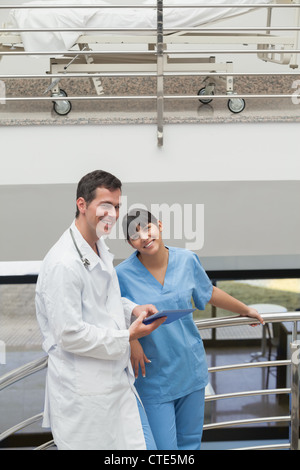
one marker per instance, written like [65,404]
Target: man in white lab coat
[91,401]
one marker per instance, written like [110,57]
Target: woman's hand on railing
[221,299]
[252,313]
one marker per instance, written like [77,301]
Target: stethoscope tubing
[85,261]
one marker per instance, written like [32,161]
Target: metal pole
[294,400]
[214,315]
[160,73]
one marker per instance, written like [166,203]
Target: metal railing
[293,391]
[293,362]
[161,36]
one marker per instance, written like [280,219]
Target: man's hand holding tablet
[138,328]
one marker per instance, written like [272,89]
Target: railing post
[294,58]
[160,73]
[294,400]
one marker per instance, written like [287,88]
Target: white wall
[246,175]
[191,152]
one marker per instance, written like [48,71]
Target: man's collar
[105,259]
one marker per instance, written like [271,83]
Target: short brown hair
[96,179]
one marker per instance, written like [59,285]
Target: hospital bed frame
[160,59]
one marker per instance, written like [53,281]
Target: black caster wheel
[62,107]
[202,92]
[236,105]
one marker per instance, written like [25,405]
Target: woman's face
[147,240]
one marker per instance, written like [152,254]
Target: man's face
[103,212]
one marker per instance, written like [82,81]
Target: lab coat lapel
[85,249]
[105,259]
[103,265]
[105,256]
[115,297]
[114,302]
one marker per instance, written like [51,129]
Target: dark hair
[96,179]
[137,218]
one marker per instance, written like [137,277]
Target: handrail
[146,74]
[46,446]
[174,52]
[143,30]
[248,365]
[238,422]
[267,447]
[22,425]
[208,5]
[293,418]
[238,320]
[223,396]
[23,372]
[293,391]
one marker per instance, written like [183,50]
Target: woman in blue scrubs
[172,359]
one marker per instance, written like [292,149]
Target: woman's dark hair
[96,179]
[137,219]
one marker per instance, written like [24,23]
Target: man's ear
[81,204]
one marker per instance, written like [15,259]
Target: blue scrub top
[178,362]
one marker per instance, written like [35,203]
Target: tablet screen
[172,315]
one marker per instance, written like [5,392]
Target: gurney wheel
[236,105]
[62,107]
[202,92]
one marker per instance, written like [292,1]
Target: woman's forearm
[225,301]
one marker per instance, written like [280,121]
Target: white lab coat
[90,397]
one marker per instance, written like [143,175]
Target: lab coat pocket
[93,376]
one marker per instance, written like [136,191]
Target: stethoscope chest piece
[86,262]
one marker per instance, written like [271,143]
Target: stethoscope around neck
[86,263]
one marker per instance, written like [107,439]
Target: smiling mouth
[107,221]
[149,244]
[108,224]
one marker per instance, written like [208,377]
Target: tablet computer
[172,315]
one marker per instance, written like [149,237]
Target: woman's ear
[160,226]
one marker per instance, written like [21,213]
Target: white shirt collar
[105,259]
